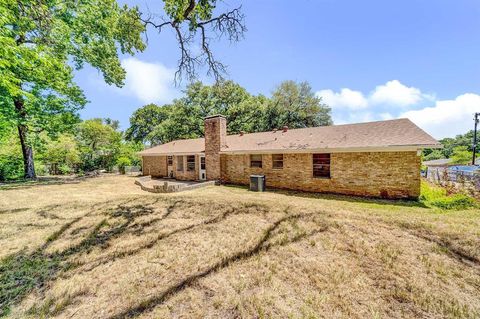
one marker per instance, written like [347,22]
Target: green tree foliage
[292,104]
[95,144]
[461,140]
[99,144]
[461,155]
[11,164]
[123,162]
[433,155]
[61,155]
[459,144]
[130,150]
[295,105]
[38,40]
[143,122]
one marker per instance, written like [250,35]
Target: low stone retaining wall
[148,184]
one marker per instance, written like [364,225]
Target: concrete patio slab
[164,185]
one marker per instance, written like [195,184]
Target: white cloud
[149,82]
[395,93]
[440,118]
[448,117]
[392,94]
[346,98]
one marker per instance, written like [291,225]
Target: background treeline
[458,148]
[292,104]
[76,146]
[86,146]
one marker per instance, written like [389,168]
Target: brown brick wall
[155,166]
[379,174]
[215,137]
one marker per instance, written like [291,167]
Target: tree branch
[229,25]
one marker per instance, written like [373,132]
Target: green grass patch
[20,273]
[436,196]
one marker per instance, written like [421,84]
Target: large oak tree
[42,42]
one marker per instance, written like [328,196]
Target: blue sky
[369,60]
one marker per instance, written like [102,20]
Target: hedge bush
[434,196]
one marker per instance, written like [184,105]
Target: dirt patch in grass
[110,251]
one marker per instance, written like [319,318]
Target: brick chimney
[215,138]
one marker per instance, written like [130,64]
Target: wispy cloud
[149,82]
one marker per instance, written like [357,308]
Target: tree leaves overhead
[41,43]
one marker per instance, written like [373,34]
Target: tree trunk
[27,151]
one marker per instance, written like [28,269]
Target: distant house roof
[381,135]
[438,162]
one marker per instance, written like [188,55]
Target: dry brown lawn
[225,252]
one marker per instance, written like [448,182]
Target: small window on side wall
[190,162]
[277,161]
[180,163]
[256,160]
[321,165]
[169,160]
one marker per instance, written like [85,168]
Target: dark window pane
[321,165]
[169,160]
[180,163]
[202,162]
[277,161]
[256,160]
[190,162]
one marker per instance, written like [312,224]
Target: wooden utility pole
[475,137]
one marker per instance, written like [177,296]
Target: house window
[170,160]
[180,163]
[256,160]
[190,162]
[321,165]
[202,162]
[277,161]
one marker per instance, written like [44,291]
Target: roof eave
[398,148]
[171,153]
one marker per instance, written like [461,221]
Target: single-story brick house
[379,159]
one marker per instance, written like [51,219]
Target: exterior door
[170,166]
[201,170]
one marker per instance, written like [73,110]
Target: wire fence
[466,178]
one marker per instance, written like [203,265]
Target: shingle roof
[190,146]
[361,136]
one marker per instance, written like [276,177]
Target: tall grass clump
[435,196]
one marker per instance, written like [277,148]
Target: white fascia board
[408,148]
[172,154]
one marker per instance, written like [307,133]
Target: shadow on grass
[216,219]
[43,182]
[22,272]
[14,210]
[262,245]
[338,197]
